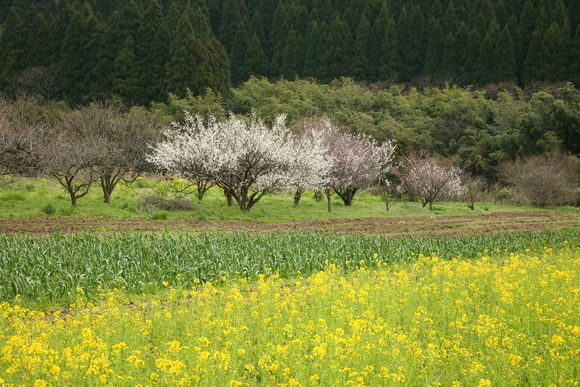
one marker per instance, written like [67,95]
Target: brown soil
[432,226]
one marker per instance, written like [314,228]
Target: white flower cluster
[244,157]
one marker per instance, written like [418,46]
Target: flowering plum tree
[430,179]
[357,162]
[245,158]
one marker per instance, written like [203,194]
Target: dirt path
[433,226]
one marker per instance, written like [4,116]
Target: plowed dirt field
[424,225]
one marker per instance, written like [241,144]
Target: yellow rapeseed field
[436,322]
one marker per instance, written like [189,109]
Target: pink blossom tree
[246,158]
[430,179]
[357,162]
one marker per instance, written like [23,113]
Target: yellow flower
[558,340]
[484,382]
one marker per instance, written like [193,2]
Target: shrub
[545,180]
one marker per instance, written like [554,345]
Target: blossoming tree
[357,161]
[246,158]
[430,179]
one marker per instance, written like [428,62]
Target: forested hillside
[141,50]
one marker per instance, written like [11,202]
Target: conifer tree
[215,14]
[560,13]
[293,56]
[104,69]
[485,63]
[126,81]
[461,41]
[391,61]
[313,51]
[151,52]
[301,24]
[333,59]
[516,36]
[462,9]
[554,54]
[89,51]
[154,80]
[238,55]
[501,14]
[229,22]
[5,6]
[412,42]
[196,63]
[323,10]
[127,24]
[532,65]
[436,11]
[377,42]
[574,14]
[543,21]
[35,37]
[256,63]
[434,57]
[494,31]
[57,32]
[471,58]
[257,28]
[181,63]
[278,31]
[527,24]
[505,61]
[360,66]
[449,59]
[267,9]
[574,70]
[278,52]
[450,21]
[72,61]
[12,52]
[484,8]
[348,50]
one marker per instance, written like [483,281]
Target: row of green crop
[53,268]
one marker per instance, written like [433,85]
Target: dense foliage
[141,50]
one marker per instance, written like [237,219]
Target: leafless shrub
[152,203]
[545,180]
[21,136]
[41,80]
[474,190]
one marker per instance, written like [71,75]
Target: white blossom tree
[245,158]
[430,179]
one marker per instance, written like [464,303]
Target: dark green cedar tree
[504,57]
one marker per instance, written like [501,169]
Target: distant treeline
[141,50]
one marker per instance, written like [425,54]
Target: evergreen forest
[141,50]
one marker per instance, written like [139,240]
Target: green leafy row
[54,268]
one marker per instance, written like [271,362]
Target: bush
[48,209]
[545,180]
[152,203]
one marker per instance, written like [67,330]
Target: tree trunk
[328,197]
[297,196]
[107,186]
[229,198]
[73,199]
[347,195]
